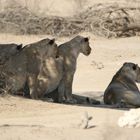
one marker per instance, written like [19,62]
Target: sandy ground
[22,119]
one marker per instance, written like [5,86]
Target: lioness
[70,51]
[25,66]
[123,90]
[49,73]
[7,50]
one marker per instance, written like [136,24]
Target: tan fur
[122,90]
[8,50]
[37,54]
[27,67]
[49,76]
[70,51]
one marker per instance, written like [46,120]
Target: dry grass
[107,20]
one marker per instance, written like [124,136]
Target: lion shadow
[85,99]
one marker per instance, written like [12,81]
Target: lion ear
[51,42]
[134,67]
[19,47]
[86,39]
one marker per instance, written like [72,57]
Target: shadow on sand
[86,99]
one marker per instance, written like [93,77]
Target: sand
[22,119]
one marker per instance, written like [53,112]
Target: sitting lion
[70,51]
[122,90]
[28,68]
[44,52]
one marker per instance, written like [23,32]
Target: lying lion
[122,90]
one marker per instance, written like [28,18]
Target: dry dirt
[23,119]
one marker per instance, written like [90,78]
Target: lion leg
[61,92]
[122,104]
[53,95]
[32,82]
[132,98]
[68,89]
[26,90]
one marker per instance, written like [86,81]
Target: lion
[50,73]
[70,51]
[25,68]
[7,50]
[122,90]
